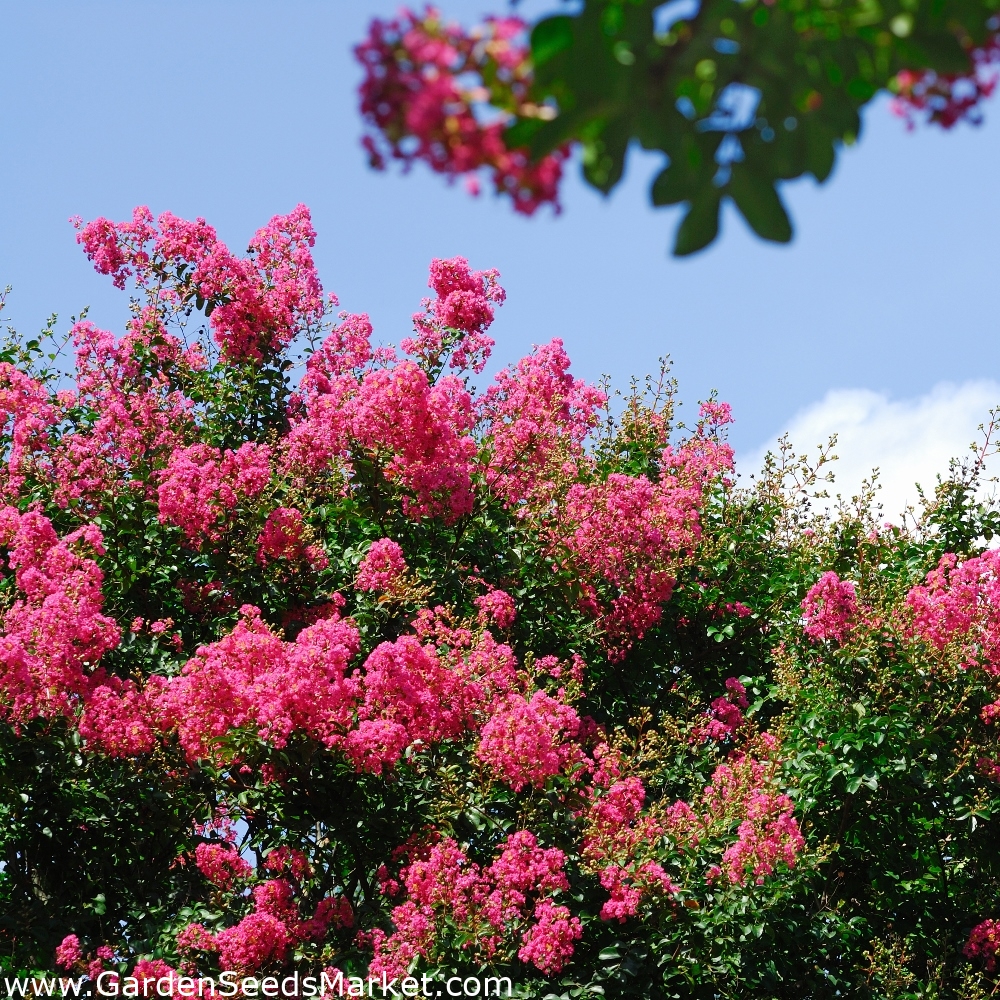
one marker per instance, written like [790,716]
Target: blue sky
[236,110]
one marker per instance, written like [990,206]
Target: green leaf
[520,134]
[543,137]
[550,37]
[820,151]
[701,224]
[670,187]
[760,205]
[604,156]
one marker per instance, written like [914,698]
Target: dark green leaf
[700,225]
[760,204]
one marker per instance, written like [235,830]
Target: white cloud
[908,440]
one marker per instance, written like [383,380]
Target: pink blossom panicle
[527,741]
[456,321]
[54,633]
[496,606]
[423,84]
[221,864]
[829,608]
[383,567]
[959,602]
[513,895]
[68,953]
[984,943]
[259,302]
[549,943]
[725,715]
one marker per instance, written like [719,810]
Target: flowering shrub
[317,655]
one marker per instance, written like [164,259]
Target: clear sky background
[880,319]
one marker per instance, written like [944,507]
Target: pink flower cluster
[626,889]
[257,303]
[201,486]
[54,634]
[149,971]
[527,741]
[625,531]
[291,860]
[275,925]
[616,826]
[536,417]
[829,608]
[411,696]
[417,430]
[949,98]
[383,567]
[725,715]
[416,693]
[456,321]
[132,414]
[266,935]
[628,533]
[421,432]
[768,833]
[283,537]
[496,606]
[960,602]
[415,425]
[625,534]
[989,767]
[252,678]
[511,897]
[117,716]
[68,953]
[221,864]
[620,839]
[423,82]
[548,944]
[984,943]
[26,407]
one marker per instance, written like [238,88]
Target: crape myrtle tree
[738,95]
[318,657]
